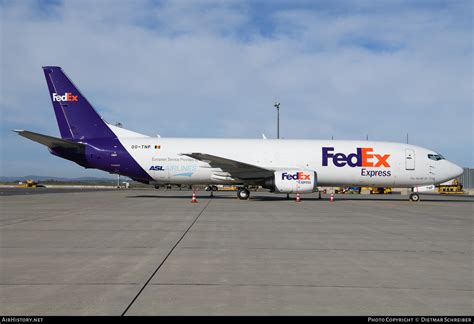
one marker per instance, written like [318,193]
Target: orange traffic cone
[193,199]
[298,199]
[332,198]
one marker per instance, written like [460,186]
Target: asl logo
[156,168]
[66,97]
[297,176]
[363,158]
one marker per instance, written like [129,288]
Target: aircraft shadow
[185,197]
[256,197]
[252,197]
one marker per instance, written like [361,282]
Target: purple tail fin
[77,119]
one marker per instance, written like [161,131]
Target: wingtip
[18,131]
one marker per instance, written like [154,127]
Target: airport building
[467,178]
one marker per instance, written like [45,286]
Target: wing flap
[237,169]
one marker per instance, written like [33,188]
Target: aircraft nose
[456,170]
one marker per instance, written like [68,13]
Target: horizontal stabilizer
[49,141]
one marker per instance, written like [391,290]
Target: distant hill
[58,179]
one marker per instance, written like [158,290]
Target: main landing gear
[243,193]
[415,197]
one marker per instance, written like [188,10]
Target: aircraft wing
[237,169]
[49,141]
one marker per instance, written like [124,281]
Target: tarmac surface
[145,252]
[8,191]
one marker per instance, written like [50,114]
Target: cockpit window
[435,157]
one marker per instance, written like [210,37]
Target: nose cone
[455,170]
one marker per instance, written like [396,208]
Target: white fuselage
[384,163]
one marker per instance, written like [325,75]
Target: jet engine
[292,181]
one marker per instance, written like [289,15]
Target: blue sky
[214,69]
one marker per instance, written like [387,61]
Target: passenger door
[409,159]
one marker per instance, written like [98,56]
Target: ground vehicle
[454,188]
[31,184]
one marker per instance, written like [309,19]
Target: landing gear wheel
[415,197]
[243,194]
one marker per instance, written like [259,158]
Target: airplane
[280,165]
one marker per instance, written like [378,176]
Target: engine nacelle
[292,181]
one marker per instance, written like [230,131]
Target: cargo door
[409,159]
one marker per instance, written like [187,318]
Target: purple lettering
[339,160]
[327,155]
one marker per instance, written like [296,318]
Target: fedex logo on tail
[68,96]
[364,157]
